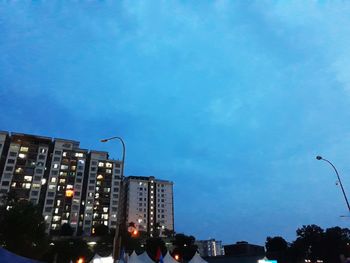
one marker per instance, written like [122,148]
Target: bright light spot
[22,155]
[43,181]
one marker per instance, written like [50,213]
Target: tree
[152,245]
[101,230]
[276,248]
[22,229]
[184,246]
[66,230]
[309,243]
[67,250]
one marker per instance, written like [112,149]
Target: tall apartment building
[25,166]
[64,186]
[81,187]
[4,142]
[102,192]
[149,204]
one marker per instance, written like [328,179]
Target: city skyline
[230,101]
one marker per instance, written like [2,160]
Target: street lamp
[117,241]
[340,183]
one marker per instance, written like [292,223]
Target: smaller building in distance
[243,248]
[210,248]
[150,204]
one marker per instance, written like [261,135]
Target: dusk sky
[230,100]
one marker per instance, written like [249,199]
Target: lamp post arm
[341,185]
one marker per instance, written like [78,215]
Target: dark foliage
[22,229]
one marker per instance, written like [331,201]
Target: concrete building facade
[210,248]
[81,188]
[150,204]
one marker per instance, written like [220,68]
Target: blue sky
[231,100]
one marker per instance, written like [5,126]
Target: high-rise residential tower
[65,185]
[24,170]
[150,204]
[102,192]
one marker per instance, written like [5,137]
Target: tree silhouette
[276,248]
[22,229]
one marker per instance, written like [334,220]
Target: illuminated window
[105,223]
[64,167]
[55,166]
[13,184]
[79,154]
[109,165]
[56,218]
[100,176]
[22,155]
[105,209]
[69,193]
[64,154]
[24,149]
[73,167]
[51,187]
[56,211]
[27,178]
[62,181]
[18,170]
[36,185]
[58,202]
[105,216]
[27,186]
[101,164]
[53,180]
[69,186]
[108,171]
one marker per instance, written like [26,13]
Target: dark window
[57,152]
[48,209]
[49,201]
[38,171]
[37,178]
[10,161]
[93,169]
[40,164]
[13,154]
[41,157]
[35,193]
[140,199]
[79,174]
[51,194]
[9,168]
[92,181]
[78,180]
[56,159]
[5,183]
[91,187]
[54,172]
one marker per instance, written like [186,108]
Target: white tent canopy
[197,259]
[99,259]
[134,258]
[168,258]
[144,258]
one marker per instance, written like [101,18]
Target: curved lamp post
[341,185]
[117,241]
